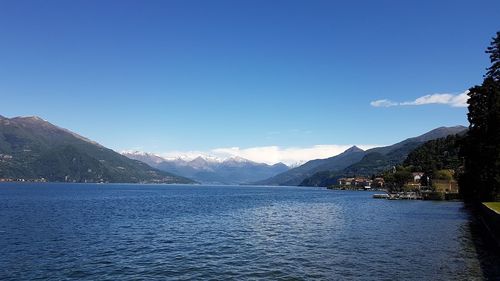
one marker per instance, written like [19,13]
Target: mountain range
[234,170]
[355,161]
[296,175]
[34,149]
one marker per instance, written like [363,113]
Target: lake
[180,232]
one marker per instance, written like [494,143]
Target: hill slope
[377,160]
[296,175]
[32,148]
[356,161]
[434,155]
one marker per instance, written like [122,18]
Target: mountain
[431,135]
[356,161]
[32,148]
[234,170]
[434,155]
[243,171]
[148,158]
[296,175]
[380,159]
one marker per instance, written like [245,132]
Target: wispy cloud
[453,100]
[183,154]
[383,103]
[269,154]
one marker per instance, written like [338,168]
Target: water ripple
[120,232]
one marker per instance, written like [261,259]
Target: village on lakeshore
[418,186]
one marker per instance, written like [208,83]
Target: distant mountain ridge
[380,159]
[32,148]
[233,170]
[296,175]
[355,161]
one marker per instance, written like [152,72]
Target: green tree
[396,179]
[481,147]
[443,175]
[434,155]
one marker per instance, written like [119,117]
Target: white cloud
[453,100]
[183,154]
[268,154]
[383,103]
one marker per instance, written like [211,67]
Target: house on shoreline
[360,182]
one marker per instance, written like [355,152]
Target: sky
[268,80]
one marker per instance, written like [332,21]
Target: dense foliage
[481,147]
[436,155]
[396,180]
[437,159]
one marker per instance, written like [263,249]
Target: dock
[381,196]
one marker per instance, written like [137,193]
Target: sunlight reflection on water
[242,232]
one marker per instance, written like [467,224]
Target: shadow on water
[488,251]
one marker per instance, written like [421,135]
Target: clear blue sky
[198,75]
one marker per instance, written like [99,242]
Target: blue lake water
[148,232]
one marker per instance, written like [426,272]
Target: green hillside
[434,155]
[32,148]
[377,160]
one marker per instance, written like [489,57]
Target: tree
[434,155]
[425,180]
[481,146]
[396,179]
[443,175]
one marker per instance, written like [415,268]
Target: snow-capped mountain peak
[210,169]
[237,159]
[188,158]
[146,157]
[136,152]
